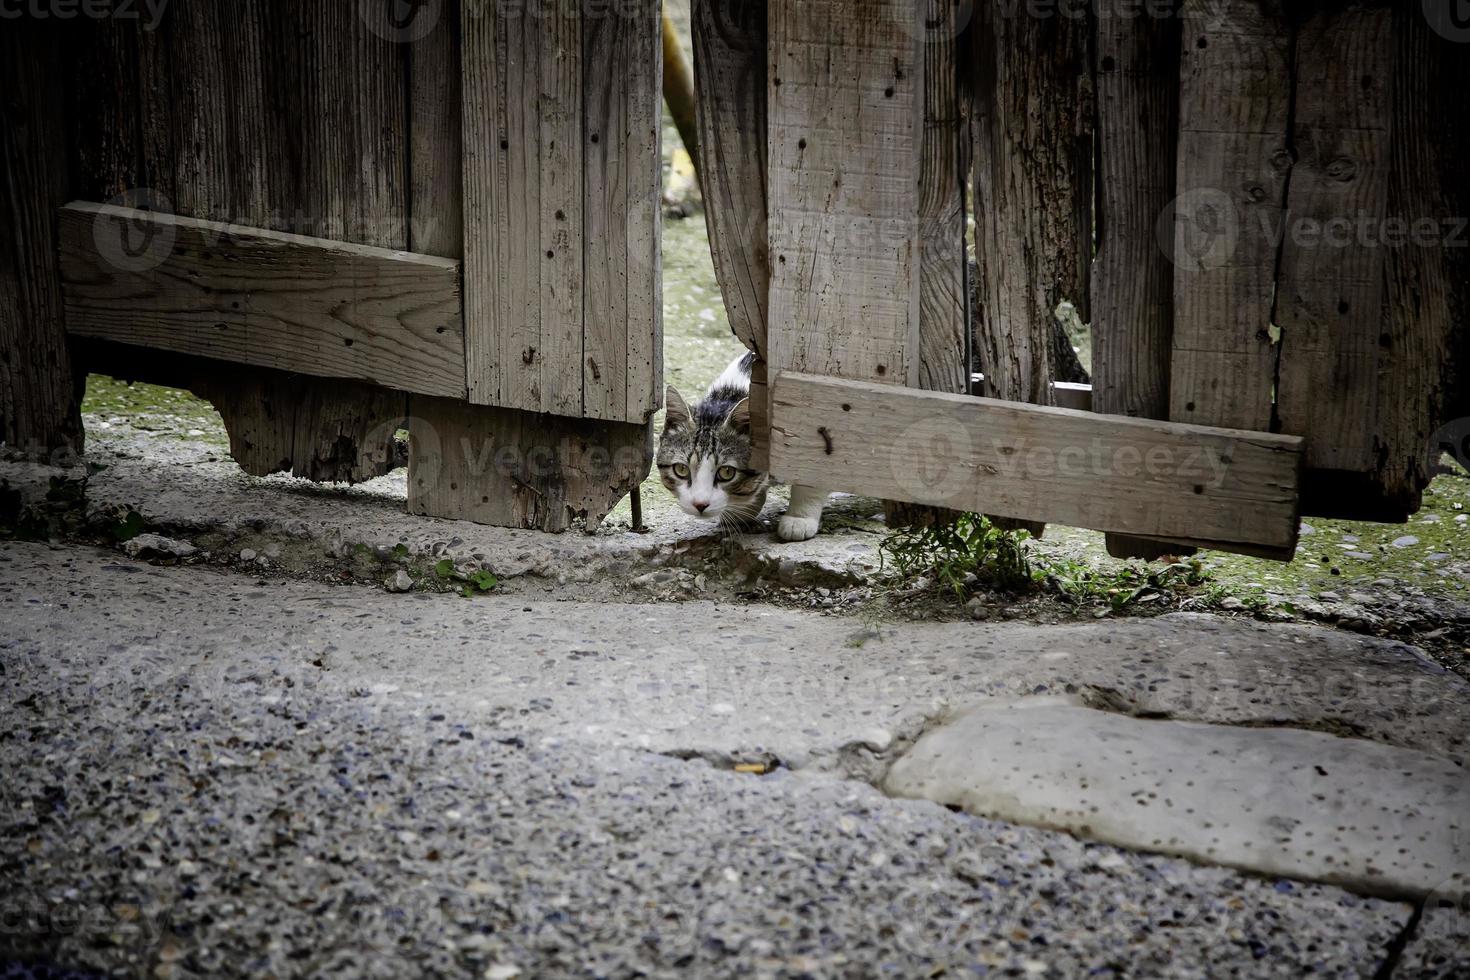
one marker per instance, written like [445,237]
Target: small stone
[273,550]
[1307,529]
[1462,518]
[247,554]
[399,581]
[977,609]
[502,971]
[1405,541]
[157,546]
[1231,604]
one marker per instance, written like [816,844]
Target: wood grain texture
[944,309]
[845,134]
[561,144]
[1136,63]
[1234,163]
[1329,291]
[731,92]
[269,299]
[1217,488]
[269,114]
[1032,192]
[435,185]
[1424,379]
[520,469]
[38,395]
[621,341]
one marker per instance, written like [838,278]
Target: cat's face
[704,460]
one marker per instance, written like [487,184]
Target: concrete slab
[1275,801]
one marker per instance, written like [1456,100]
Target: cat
[704,460]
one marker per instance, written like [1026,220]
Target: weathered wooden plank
[1137,85]
[435,211]
[271,299]
[622,339]
[944,321]
[944,346]
[1330,288]
[643,156]
[730,86]
[520,469]
[502,207]
[1032,193]
[38,396]
[559,107]
[1218,488]
[1234,160]
[1423,380]
[846,109]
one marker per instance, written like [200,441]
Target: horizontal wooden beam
[1226,489]
[263,298]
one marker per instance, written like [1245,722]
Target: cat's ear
[740,417]
[676,412]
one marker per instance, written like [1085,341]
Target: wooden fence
[454,221]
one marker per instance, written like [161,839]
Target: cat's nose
[701,505]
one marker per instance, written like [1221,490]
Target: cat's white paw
[798,528]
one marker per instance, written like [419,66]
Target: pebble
[157,546]
[977,608]
[247,554]
[1231,604]
[399,581]
[1405,541]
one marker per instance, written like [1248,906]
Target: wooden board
[846,109]
[519,469]
[270,299]
[38,396]
[730,89]
[1136,62]
[1217,488]
[1032,192]
[944,307]
[561,209]
[1330,289]
[1234,162]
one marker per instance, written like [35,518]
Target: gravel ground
[172,811]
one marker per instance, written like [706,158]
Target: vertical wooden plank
[1423,378]
[435,209]
[846,109]
[1033,188]
[642,156]
[944,322]
[502,145]
[944,349]
[622,333]
[1234,162]
[608,43]
[1137,85]
[38,395]
[1329,294]
[559,166]
[730,86]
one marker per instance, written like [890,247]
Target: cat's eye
[681,471]
[725,474]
